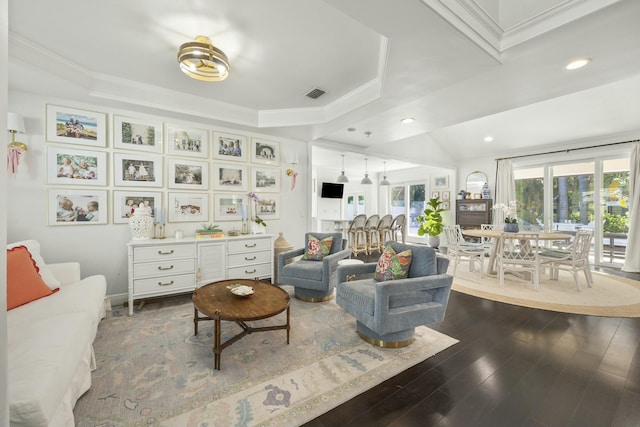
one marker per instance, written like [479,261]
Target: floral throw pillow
[392,266]
[317,249]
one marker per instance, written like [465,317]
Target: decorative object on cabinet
[472,213]
[137,134]
[141,223]
[77,207]
[188,207]
[431,222]
[137,170]
[74,126]
[264,151]
[190,142]
[486,192]
[209,231]
[168,267]
[76,167]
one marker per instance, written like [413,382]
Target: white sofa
[50,346]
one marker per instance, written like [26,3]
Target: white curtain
[505,190]
[632,255]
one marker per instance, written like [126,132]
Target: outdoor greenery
[431,221]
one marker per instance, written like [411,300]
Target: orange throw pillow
[24,284]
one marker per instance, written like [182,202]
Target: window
[411,196]
[355,205]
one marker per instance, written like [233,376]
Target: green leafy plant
[615,223]
[260,221]
[209,228]
[431,221]
[510,220]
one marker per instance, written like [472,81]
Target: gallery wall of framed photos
[100,166]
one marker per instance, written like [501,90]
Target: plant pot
[511,228]
[434,241]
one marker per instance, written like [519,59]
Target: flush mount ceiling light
[366,180]
[385,181]
[201,60]
[488,138]
[343,178]
[407,120]
[578,63]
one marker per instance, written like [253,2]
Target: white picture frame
[77,207]
[230,177]
[146,172]
[440,182]
[124,203]
[90,131]
[188,174]
[230,147]
[265,179]
[187,141]
[137,134]
[188,207]
[268,206]
[229,207]
[265,151]
[76,167]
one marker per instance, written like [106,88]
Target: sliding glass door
[408,199]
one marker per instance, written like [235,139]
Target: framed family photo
[440,182]
[137,170]
[188,207]
[77,207]
[268,207]
[190,175]
[184,141]
[125,202]
[230,177]
[227,146]
[265,179]
[137,134]
[229,207]
[76,167]
[74,126]
[264,151]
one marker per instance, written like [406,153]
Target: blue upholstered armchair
[313,281]
[387,312]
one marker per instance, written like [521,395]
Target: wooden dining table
[496,234]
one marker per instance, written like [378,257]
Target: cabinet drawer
[164,285]
[156,253]
[240,260]
[249,271]
[166,267]
[249,245]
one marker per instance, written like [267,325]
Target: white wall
[101,249]
[4,403]
[335,208]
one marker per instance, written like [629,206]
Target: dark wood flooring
[513,366]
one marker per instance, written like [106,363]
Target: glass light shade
[366,180]
[201,60]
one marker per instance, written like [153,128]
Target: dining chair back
[488,242]
[573,259]
[518,252]
[458,249]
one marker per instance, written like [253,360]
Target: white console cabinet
[170,266]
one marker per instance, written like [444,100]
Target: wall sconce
[291,172]
[15,124]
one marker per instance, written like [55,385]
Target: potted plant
[431,222]
[511,224]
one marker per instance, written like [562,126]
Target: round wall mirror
[475,181]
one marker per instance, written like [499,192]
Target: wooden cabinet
[472,213]
[170,266]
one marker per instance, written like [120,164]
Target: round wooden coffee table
[217,303]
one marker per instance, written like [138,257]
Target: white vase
[257,228]
[141,223]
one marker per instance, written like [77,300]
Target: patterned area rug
[152,370]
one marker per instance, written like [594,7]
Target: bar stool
[357,236]
[384,229]
[371,232]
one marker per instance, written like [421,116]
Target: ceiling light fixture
[578,63]
[201,60]
[366,180]
[407,120]
[342,178]
[488,139]
[385,181]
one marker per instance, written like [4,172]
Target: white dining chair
[573,259]
[518,253]
[458,249]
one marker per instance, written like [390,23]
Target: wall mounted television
[332,190]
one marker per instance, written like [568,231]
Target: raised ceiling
[463,69]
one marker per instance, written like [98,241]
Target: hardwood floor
[513,366]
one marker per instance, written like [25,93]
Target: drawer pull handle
[165,253]
[165,284]
[249,259]
[165,268]
[250,272]
[250,246]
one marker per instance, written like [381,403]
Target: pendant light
[366,180]
[343,178]
[385,181]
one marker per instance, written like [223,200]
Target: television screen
[331,190]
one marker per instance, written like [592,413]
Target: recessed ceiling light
[408,120]
[488,138]
[578,63]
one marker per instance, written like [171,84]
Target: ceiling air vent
[316,93]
